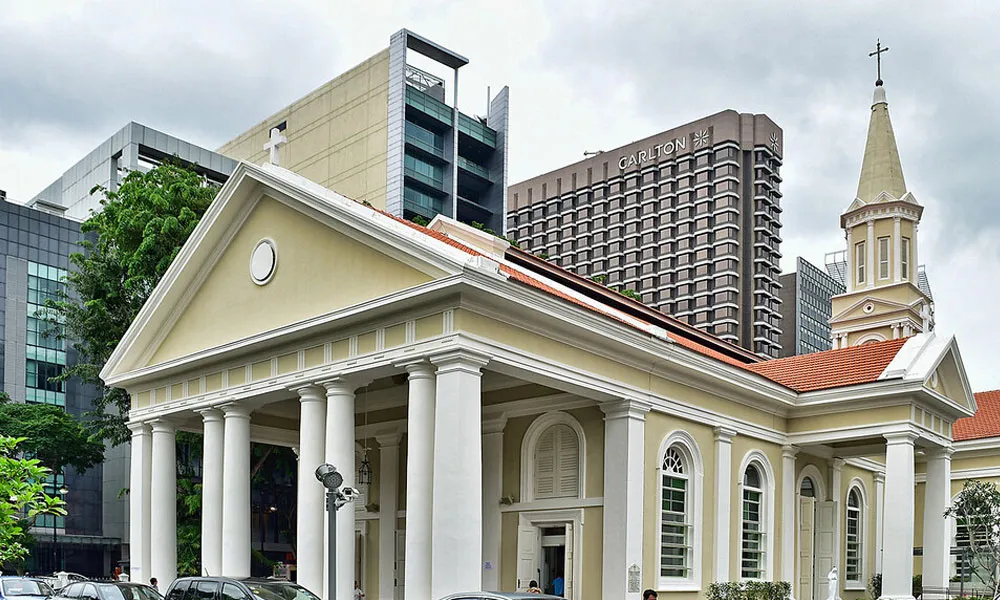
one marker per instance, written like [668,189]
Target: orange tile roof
[985,423]
[810,372]
[832,368]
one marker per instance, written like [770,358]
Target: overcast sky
[583,74]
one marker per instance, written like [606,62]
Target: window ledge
[678,585]
[854,586]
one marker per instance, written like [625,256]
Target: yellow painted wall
[337,135]
[885,331]
[319,270]
[886,414]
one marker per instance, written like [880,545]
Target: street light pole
[336,497]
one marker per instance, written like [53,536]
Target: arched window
[754,526]
[808,488]
[854,563]
[680,479]
[553,454]
[557,463]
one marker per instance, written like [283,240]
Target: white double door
[817,547]
[539,546]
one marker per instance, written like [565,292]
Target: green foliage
[628,293]
[513,242]
[420,220]
[50,435]
[600,279]
[139,231]
[875,586]
[977,509]
[189,452]
[22,498]
[542,255]
[917,586]
[750,590]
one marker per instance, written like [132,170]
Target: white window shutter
[569,463]
[545,464]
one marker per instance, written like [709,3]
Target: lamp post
[62,491]
[336,497]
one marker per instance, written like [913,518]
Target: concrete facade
[689,219]
[806,295]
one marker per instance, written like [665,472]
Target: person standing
[358,594]
[558,585]
[533,587]
[649,595]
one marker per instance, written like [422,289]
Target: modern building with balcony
[688,220]
[388,133]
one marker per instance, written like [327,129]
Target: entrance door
[553,563]
[826,516]
[400,570]
[528,549]
[807,547]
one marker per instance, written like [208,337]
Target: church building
[527,423]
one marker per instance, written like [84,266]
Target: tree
[50,435]
[22,498]
[977,513]
[130,244]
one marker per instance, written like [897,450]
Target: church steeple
[881,171]
[883,300]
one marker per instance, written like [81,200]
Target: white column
[388,488]
[723,498]
[624,440]
[211,492]
[870,248]
[937,529]
[163,504]
[879,516]
[897,250]
[419,474]
[837,495]
[789,523]
[852,277]
[140,517]
[311,510]
[457,523]
[492,490]
[340,454]
[897,557]
[236,492]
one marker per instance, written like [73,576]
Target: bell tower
[882,300]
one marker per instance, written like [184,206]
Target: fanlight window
[808,488]
[675,522]
[557,463]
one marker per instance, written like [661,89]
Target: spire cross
[878,59]
[274,143]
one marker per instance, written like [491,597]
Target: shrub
[875,586]
[750,590]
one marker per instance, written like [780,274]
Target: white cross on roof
[277,140]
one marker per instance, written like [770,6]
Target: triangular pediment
[331,253]
[935,362]
[869,306]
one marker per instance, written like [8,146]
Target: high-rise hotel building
[388,133]
[689,219]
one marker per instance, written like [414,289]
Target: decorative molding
[531,436]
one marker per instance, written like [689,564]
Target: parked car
[107,590]
[501,596]
[227,588]
[23,588]
[58,581]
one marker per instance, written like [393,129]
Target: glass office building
[806,298]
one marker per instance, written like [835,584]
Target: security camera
[350,494]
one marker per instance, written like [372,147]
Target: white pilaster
[388,488]
[837,495]
[457,534]
[879,516]
[897,250]
[492,490]
[723,498]
[937,529]
[163,503]
[211,492]
[340,454]
[139,501]
[236,492]
[419,475]
[915,261]
[852,277]
[897,557]
[789,523]
[311,510]
[870,267]
[624,438]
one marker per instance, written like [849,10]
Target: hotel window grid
[883,258]
[51,486]
[859,261]
[45,349]
[753,530]
[855,535]
[703,217]
[675,523]
[904,259]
